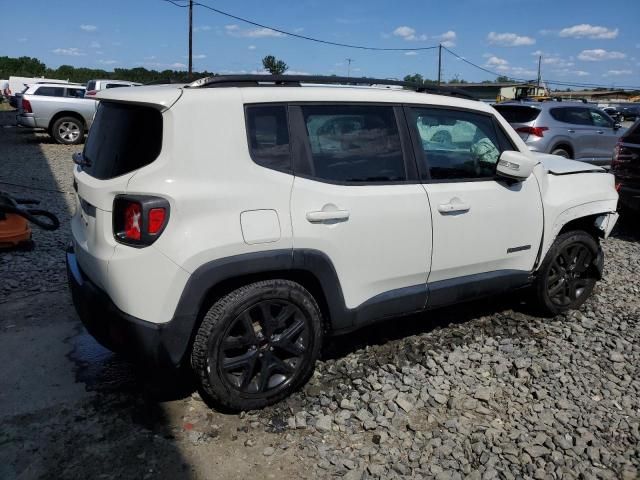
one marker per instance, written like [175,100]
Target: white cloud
[236,31]
[23,39]
[94,44]
[615,73]
[589,31]
[88,28]
[177,65]
[411,53]
[251,47]
[202,28]
[298,30]
[494,61]
[70,52]
[408,33]
[599,54]
[107,62]
[447,39]
[580,73]
[199,56]
[509,39]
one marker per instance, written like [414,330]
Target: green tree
[418,79]
[273,65]
[503,79]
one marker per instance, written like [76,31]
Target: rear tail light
[618,185]
[139,220]
[26,106]
[90,93]
[537,131]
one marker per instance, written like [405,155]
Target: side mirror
[515,165]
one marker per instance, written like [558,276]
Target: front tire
[567,275]
[68,131]
[257,345]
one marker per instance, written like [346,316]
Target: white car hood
[558,165]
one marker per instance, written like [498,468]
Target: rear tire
[567,276]
[68,131]
[257,345]
[563,152]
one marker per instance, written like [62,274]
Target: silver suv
[571,130]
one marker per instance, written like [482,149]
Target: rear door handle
[453,207]
[601,131]
[328,216]
[571,130]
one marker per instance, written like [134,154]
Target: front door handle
[453,207]
[327,216]
[600,132]
[571,130]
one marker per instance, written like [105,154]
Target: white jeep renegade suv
[232,224]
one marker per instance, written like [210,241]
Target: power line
[297,35]
[552,82]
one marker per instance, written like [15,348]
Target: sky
[580,41]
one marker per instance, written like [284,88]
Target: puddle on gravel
[98,368]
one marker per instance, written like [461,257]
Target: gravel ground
[485,390]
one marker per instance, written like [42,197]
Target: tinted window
[517,113]
[269,136]
[600,120]
[457,145]
[75,92]
[574,115]
[50,91]
[123,138]
[633,134]
[115,85]
[351,143]
[91,85]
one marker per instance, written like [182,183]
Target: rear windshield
[517,113]
[91,85]
[123,138]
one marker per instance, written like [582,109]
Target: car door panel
[355,200]
[484,229]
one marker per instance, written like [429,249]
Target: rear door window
[123,138]
[573,115]
[50,91]
[518,113]
[116,85]
[354,143]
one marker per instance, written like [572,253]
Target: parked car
[94,86]
[231,225]
[615,115]
[572,130]
[629,111]
[626,167]
[60,109]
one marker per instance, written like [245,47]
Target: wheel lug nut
[271,349]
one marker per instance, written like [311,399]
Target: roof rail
[217,81]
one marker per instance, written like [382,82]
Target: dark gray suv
[573,130]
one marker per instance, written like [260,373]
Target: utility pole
[349,60]
[190,39]
[439,63]
[539,76]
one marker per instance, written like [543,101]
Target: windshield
[123,138]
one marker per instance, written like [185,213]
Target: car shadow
[628,226]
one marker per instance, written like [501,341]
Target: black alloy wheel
[257,345]
[569,276]
[264,347]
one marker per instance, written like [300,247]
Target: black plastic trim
[470,287]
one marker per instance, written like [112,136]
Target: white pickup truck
[58,108]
